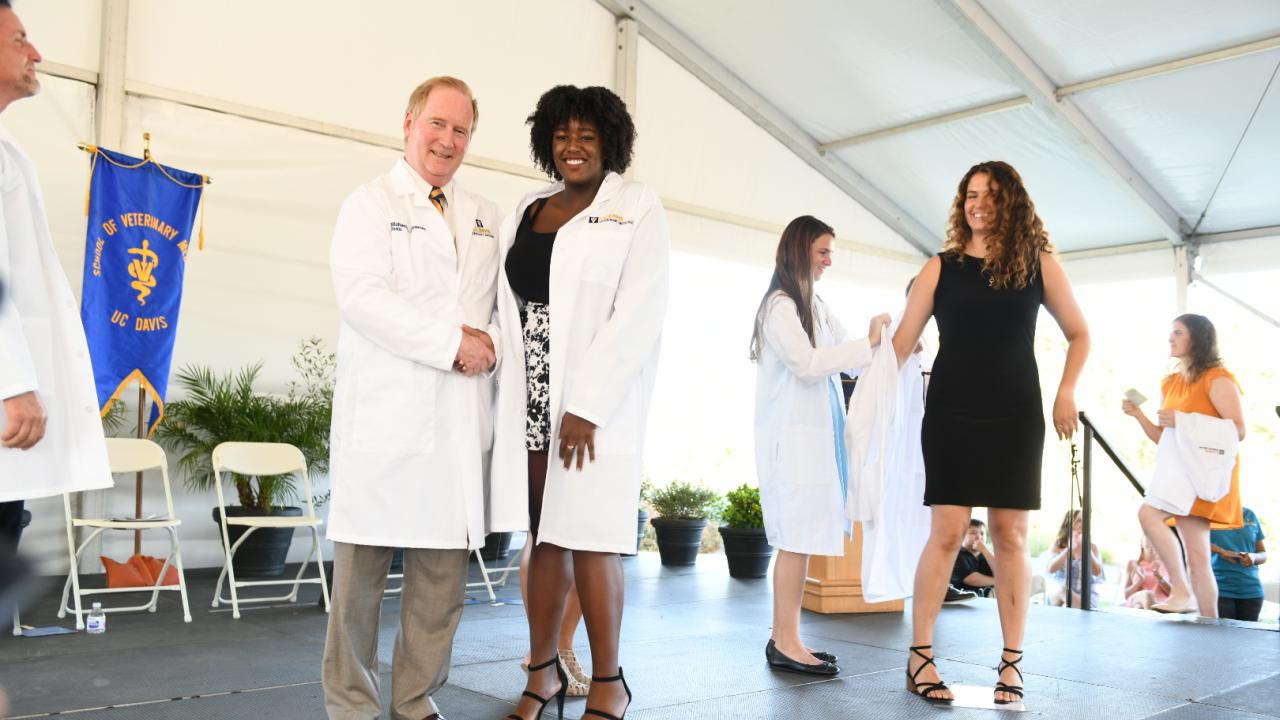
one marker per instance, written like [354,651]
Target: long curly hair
[1017,237]
[597,105]
[1204,345]
[793,275]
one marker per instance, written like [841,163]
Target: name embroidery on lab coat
[610,218]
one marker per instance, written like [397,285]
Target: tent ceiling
[1116,165]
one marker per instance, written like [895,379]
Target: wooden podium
[834,584]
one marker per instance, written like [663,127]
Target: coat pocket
[606,252]
[395,407]
[808,456]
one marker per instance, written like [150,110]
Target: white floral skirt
[535,318]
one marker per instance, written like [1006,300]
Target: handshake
[475,352]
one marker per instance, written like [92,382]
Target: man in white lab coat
[415,268]
[51,438]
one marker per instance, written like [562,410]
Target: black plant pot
[264,552]
[642,519]
[679,539]
[497,546]
[748,551]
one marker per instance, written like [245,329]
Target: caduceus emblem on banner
[141,216]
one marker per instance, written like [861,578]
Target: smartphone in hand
[1134,396]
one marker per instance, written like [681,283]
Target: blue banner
[141,215]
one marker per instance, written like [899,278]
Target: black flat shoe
[778,661]
[825,656]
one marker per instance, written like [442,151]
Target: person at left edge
[51,438]
[415,263]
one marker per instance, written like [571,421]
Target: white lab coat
[410,435]
[609,281]
[42,347]
[795,437]
[886,472]
[1194,459]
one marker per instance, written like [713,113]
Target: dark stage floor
[693,644]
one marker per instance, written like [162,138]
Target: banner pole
[137,486]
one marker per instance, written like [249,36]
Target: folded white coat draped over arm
[1194,459]
[886,473]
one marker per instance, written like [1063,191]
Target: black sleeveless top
[986,340]
[528,263]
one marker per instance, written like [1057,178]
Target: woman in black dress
[983,431]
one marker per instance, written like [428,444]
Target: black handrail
[1086,510]
[1106,448]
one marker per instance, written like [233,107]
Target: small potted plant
[742,530]
[642,513]
[682,512]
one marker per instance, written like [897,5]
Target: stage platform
[693,647]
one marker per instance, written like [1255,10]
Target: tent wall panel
[354,66]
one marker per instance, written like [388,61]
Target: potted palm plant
[218,409]
[742,530]
[682,510]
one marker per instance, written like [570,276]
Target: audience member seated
[1072,526]
[1236,556]
[1146,582]
[972,571]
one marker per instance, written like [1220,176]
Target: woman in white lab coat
[581,297]
[800,349]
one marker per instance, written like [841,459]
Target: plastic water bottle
[97,621]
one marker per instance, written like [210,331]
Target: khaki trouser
[430,608]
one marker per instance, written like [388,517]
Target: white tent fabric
[840,69]
[288,110]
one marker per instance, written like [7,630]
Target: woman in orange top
[1201,385]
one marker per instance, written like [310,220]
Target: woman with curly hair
[1200,385]
[983,429]
[582,292]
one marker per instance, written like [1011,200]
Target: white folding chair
[258,459]
[126,455]
[486,575]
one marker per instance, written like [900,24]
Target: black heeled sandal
[612,678]
[1005,687]
[558,697]
[923,689]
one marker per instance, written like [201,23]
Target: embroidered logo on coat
[610,218]
[481,230]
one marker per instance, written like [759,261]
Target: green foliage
[686,501]
[114,420]
[220,409]
[743,510]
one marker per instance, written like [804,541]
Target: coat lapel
[464,222]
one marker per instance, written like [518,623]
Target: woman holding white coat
[582,293]
[800,349]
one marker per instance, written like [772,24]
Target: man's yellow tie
[438,199]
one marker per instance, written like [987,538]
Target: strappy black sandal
[558,697]
[611,678]
[1002,687]
[923,689]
